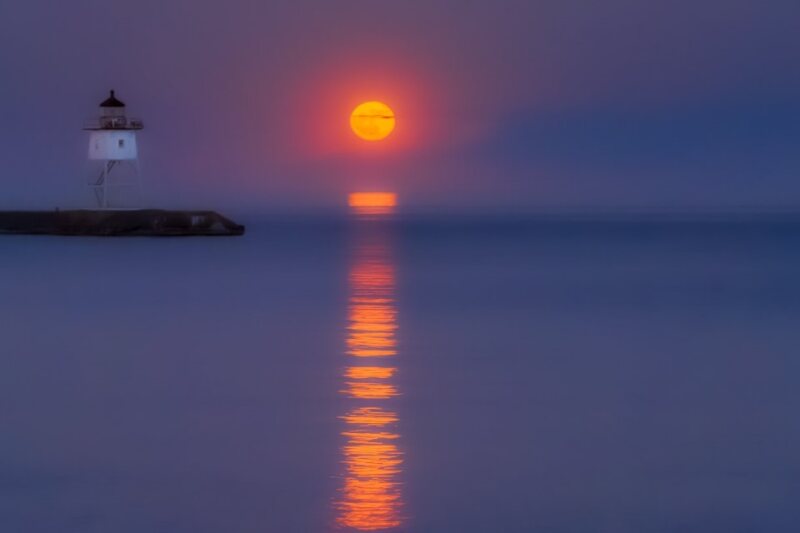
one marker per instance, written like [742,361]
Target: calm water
[553,374]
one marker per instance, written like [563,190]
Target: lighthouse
[112,149]
[112,143]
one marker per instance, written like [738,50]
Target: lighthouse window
[121,143]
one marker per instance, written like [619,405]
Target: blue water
[416,374]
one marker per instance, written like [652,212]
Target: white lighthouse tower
[112,142]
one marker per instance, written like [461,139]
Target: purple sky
[500,104]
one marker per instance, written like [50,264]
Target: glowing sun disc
[372,121]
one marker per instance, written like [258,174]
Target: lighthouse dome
[112,101]
[112,107]
[112,116]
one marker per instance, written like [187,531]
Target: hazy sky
[502,103]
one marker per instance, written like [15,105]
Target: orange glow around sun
[372,121]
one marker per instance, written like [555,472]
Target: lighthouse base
[119,223]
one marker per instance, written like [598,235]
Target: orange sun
[372,121]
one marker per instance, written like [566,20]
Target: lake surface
[417,374]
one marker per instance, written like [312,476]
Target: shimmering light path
[370,498]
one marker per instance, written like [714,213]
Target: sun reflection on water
[370,498]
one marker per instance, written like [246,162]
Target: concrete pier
[119,223]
